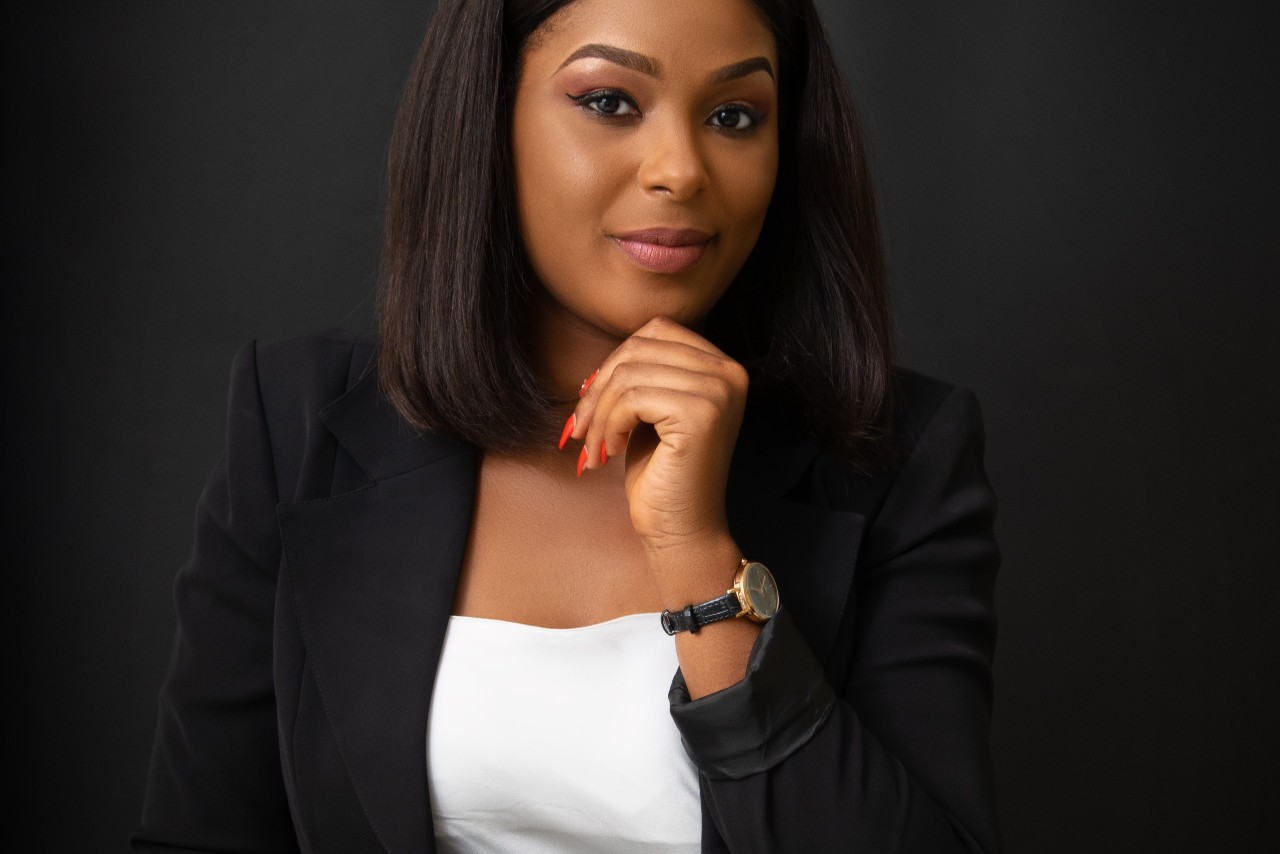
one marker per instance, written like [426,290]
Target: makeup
[664,250]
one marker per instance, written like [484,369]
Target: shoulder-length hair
[808,315]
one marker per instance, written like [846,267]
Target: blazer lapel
[780,514]
[373,573]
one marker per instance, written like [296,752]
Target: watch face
[760,590]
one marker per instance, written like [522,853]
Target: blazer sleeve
[896,756]
[215,781]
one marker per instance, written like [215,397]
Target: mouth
[664,250]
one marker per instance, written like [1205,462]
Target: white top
[558,741]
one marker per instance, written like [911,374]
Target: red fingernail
[604,454]
[568,428]
[586,384]
[582,460]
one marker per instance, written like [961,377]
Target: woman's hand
[673,403]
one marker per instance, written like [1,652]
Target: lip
[664,250]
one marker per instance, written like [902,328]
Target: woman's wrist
[693,570]
[691,573]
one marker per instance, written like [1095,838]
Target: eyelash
[585,101]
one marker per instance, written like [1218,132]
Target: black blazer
[312,611]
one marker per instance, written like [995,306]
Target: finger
[637,351]
[628,375]
[666,329]
[682,419]
[699,405]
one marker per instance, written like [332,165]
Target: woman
[412,622]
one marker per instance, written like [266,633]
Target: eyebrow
[649,66]
[618,56]
[742,69]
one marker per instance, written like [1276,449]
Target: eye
[606,102]
[735,117]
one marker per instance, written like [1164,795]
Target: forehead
[682,35]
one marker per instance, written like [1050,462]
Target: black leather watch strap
[695,617]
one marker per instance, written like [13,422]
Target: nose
[672,163]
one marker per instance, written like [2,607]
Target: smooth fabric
[559,741]
[328,542]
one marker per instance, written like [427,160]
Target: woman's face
[646,148]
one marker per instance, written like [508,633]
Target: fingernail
[604,454]
[582,460]
[586,384]
[568,428]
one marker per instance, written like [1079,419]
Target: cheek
[562,185]
[746,179]
[758,180]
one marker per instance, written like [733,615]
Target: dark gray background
[1081,211]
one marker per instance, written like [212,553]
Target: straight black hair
[808,315]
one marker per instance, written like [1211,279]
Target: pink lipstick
[664,250]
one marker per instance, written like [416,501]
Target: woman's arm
[895,757]
[674,404]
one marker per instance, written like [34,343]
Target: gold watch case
[756,590]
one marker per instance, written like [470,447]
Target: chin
[625,320]
[685,299]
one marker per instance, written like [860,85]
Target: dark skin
[677,131]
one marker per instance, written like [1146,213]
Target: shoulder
[937,426]
[306,366]
[929,409]
[279,390]
[328,425]
[937,491]
[294,378]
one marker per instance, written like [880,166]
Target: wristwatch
[754,596]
